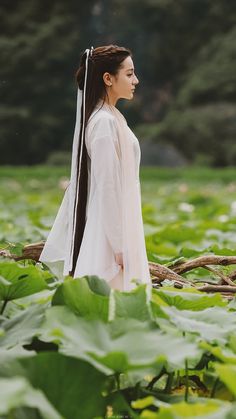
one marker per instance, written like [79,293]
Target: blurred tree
[184,58]
[39,56]
[202,118]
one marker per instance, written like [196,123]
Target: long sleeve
[106,169]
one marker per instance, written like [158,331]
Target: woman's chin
[129,96]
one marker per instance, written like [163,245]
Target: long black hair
[103,59]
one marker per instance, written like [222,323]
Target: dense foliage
[77,349]
[184,57]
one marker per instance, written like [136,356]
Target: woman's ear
[107,79]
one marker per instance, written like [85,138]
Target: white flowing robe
[107,225]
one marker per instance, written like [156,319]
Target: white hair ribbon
[77,148]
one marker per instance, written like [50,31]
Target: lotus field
[75,349]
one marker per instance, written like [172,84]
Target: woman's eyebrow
[130,69]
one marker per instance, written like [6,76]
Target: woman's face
[122,85]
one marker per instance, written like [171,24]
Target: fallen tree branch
[202,261]
[217,288]
[162,272]
[29,251]
[159,272]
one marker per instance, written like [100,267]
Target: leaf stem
[186,381]
[178,379]
[3,306]
[155,379]
[214,387]
[169,382]
[117,377]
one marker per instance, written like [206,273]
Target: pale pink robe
[105,217]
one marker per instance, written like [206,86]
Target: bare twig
[222,276]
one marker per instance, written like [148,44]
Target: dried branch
[203,261]
[162,272]
[29,251]
[159,272]
[222,276]
[217,288]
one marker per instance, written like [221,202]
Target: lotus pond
[75,349]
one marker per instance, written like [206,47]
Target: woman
[99,228]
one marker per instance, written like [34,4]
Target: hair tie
[88,53]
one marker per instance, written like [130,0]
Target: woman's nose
[136,80]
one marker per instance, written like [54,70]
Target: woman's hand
[119,259]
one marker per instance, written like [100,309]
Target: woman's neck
[110,100]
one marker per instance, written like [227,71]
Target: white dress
[102,237]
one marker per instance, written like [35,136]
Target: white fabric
[60,239]
[75,189]
[113,216]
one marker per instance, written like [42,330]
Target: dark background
[184,52]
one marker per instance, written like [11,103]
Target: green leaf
[223,354]
[188,252]
[223,251]
[16,248]
[72,386]
[98,285]
[208,410]
[78,296]
[10,361]
[232,342]
[232,304]
[227,374]
[142,403]
[213,324]
[117,403]
[21,328]
[118,346]
[17,392]
[134,304]
[187,298]
[18,281]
